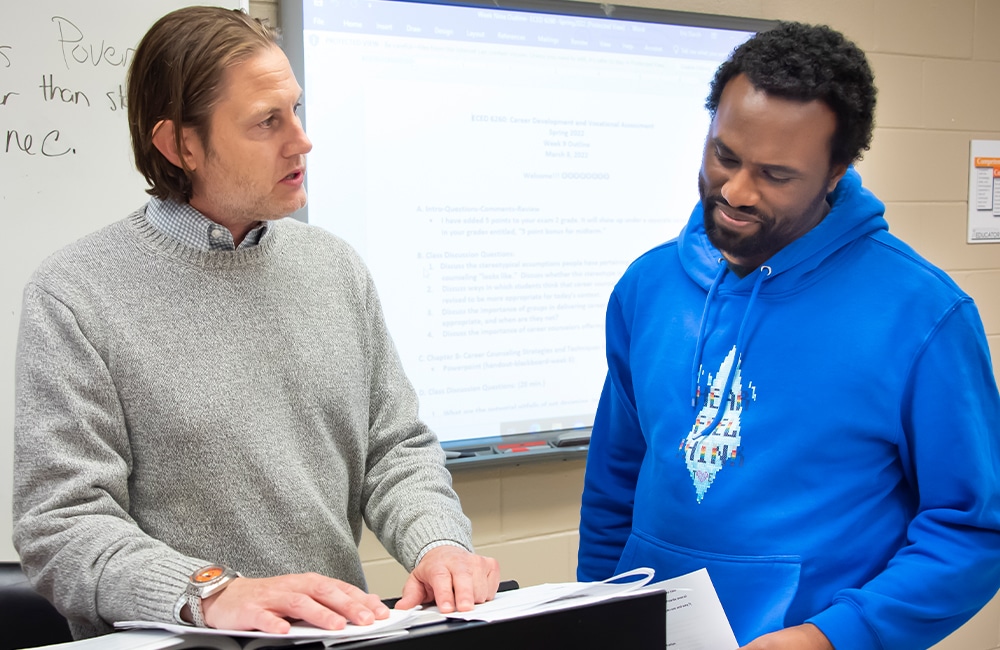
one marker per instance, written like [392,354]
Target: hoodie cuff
[846,628]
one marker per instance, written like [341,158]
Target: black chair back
[26,619]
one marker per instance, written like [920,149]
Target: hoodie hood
[854,213]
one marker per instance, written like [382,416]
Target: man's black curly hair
[805,63]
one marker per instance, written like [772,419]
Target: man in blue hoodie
[795,399]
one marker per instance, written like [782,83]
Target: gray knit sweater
[177,407]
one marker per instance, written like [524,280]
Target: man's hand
[453,578]
[801,637]
[267,604]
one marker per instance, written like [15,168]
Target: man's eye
[268,122]
[725,160]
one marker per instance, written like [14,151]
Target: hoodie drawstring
[763,273]
[700,344]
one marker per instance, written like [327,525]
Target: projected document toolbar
[503,26]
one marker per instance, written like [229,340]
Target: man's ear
[837,173]
[165,141]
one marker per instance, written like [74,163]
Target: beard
[771,235]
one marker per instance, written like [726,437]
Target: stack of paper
[695,619]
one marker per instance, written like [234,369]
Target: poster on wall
[984,191]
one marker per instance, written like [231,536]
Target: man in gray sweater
[208,402]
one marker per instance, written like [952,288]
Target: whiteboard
[65,158]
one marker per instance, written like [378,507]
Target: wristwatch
[203,583]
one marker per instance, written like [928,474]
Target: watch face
[206,575]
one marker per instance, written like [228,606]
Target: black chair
[26,619]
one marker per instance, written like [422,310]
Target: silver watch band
[194,606]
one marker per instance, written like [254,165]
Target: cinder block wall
[937,65]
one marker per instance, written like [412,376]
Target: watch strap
[194,606]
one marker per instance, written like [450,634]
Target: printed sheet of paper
[695,618]
[984,191]
[396,623]
[551,597]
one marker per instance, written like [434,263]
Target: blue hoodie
[821,434]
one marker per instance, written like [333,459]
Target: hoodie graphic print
[714,441]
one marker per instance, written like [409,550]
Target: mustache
[712,199]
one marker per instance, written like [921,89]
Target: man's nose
[741,189]
[300,144]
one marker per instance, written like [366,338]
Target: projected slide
[498,171]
